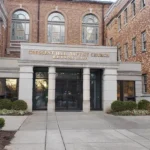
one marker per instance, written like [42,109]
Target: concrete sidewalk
[81,131]
[13,123]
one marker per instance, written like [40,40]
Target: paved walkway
[80,131]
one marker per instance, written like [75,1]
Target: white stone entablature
[83,56]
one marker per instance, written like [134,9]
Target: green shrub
[118,106]
[132,113]
[130,105]
[14,112]
[2,122]
[143,104]
[148,107]
[19,105]
[5,104]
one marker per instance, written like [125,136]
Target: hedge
[19,105]
[2,122]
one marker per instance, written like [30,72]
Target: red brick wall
[135,26]
[3,32]
[72,11]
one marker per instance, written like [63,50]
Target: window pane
[9,88]
[20,26]
[56,28]
[118,90]
[20,31]
[90,29]
[56,33]
[2,88]
[41,75]
[128,90]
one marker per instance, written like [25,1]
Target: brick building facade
[54,56]
[3,28]
[128,33]
[73,11]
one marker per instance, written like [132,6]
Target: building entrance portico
[77,77]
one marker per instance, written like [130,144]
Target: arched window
[56,28]
[20,26]
[90,29]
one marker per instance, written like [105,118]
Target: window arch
[20,26]
[56,28]
[90,29]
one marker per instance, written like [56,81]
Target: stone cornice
[67,64]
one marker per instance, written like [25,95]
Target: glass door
[96,89]
[40,94]
[68,89]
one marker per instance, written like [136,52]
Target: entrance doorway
[40,88]
[96,89]
[69,93]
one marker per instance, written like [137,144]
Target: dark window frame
[119,54]
[143,4]
[119,22]
[122,82]
[126,16]
[14,23]
[133,4]
[144,83]
[126,51]
[17,89]
[144,41]
[134,46]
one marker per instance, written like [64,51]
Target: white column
[86,89]
[109,88]
[138,90]
[26,85]
[51,89]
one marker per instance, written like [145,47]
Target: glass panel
[56,17]
[41,93]
[2,88]
[56,33]
[12,89]
[118,90]
[41,75]
[9,88]
[69,89]
[20,31]
[20,15]
[129,90]
[65,75]
[91,19]
[95,90]
[91,36]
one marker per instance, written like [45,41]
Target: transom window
[56,28]
[90,29]
[20,26]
